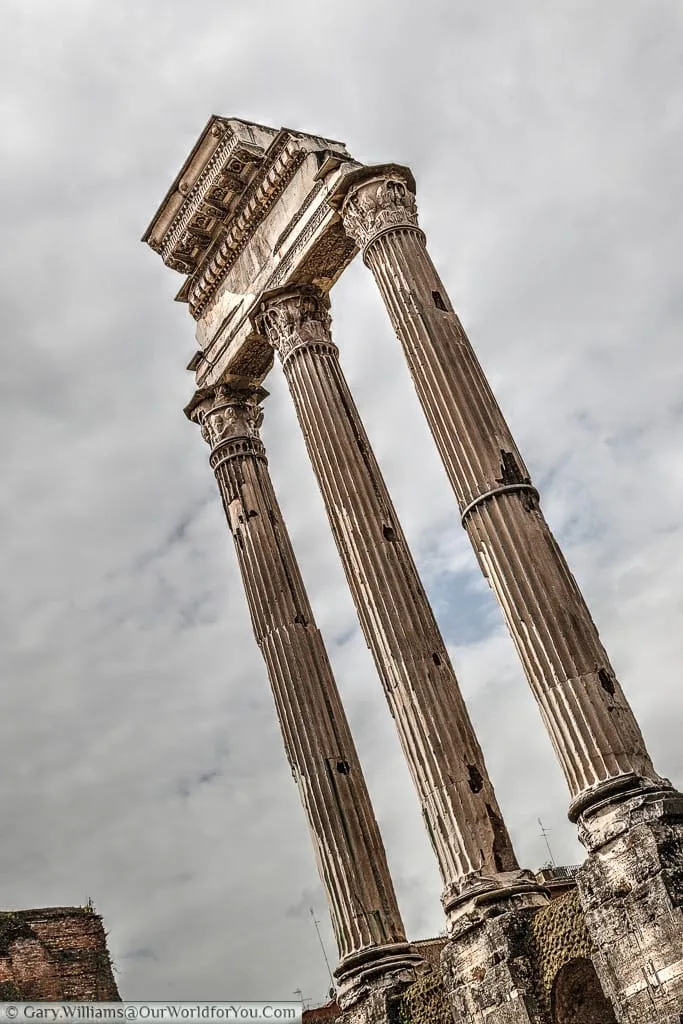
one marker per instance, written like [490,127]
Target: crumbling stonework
[631,889]
[378,1007]
[551,947]
[488,966]
[577,996]
[557,936]
[423,1002]
[54,954]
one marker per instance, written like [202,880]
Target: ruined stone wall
[53,954]
[558,935]
[556,944]
[424,1002]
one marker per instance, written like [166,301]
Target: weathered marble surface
[254,210]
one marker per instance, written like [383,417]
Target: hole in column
[388,532]
[499,837]
[300,619]
[251,513]
[238,538]
[606,681]
[343,767]
[510,471]
[438,301]
[436,659]
[476,780]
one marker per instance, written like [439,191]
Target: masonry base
[488,965]
[631,891]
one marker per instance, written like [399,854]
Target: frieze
[284,268]
[377,205]
[282,276]
[312,195]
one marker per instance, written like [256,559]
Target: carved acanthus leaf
[373,206]
[295,317]
[227,412]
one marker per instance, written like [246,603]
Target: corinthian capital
[375,205]
[292,317]
[226,411]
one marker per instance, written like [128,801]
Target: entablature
[249,213]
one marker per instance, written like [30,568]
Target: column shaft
[446,762]
[591,725]
[348,846]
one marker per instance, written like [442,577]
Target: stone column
[463,819]
[348,846]
[591,725]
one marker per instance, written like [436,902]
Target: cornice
[282,161]
[207,204]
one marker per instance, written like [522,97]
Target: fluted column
[460,810]
[592,728]
[349,850]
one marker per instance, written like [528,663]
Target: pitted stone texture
[424,1002]
[631,890]
[489,968]
[558,935]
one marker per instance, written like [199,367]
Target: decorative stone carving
[226,412]
[294,317]
[377,205]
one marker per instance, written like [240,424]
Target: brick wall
[55,953]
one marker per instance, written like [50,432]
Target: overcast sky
[139,750]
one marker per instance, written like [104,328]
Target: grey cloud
[546,141]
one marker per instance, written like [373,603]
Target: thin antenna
[320,940]
[545,832]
